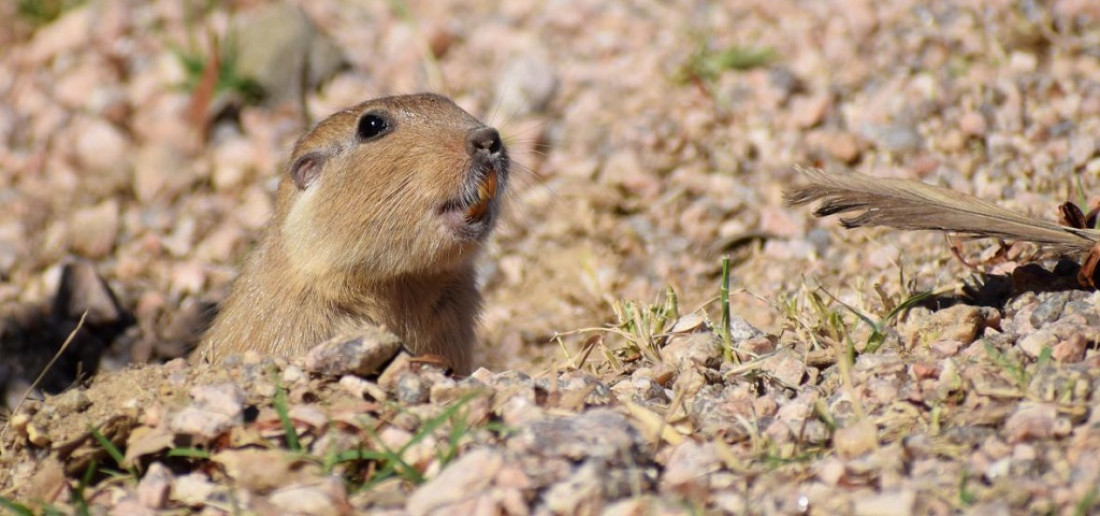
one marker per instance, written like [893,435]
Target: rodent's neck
[404,303]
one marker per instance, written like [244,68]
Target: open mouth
[486,192]
[470,215]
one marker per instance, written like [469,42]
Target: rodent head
[392,186]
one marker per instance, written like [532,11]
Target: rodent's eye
[372,126]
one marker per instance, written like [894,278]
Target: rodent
[380,215]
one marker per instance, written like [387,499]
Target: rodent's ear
[307,168]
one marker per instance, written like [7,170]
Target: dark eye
[372,126]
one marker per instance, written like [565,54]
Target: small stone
[293,375]
[972,123]
[100,147]
[962,323]
[945,348]
[740,329]
[233,160]
[264,469]
[899,138]
[842,146]
[688,323]
[361,388]
[188,277]
[1033,344]
[362,355]
[153,489]
[37,437]
[72,400]
[326,497]
[68,33]
[192,489]
[830,470]
[277,41]
[889,502]
[411,389]
[527,84]
[583,492]
[688,468]
[462,479]
[756,347]
[443,391]
[599,433]
[856,439]
[195,421]
[1023,62]
[147,440]
[217,408]
[786,366]
[692,350]
[309,414]
[1071,349]
[157,172]
[225,398]
[807,112]
[220,245]
[1031,421]
[92,231]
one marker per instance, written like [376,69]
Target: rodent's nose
[484,140]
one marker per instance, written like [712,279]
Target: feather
[906,204]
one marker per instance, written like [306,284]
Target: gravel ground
[653,138]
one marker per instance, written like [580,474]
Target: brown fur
[369,232]
[907,204]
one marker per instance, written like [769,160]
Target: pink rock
[100,146]
[856,439]
[154,487]
[972,123]
[66,34]
[92,231]
[1031,421]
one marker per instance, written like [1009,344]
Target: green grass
[15,508]
[1017,369]
[43,12]
[706,64]
[292,441]
[229,79]
[724,295]
[114,452]
[392,463]
[191,453]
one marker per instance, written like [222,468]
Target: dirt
[652,140]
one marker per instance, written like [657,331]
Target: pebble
[899,138]
[461,480]
[889,502]
[94,230]
[1031,421]
[362,355]
[526,84]
[216,408]
[192,489]
[688,469]
[101,147]
[692,350]
[325,497]
[960,322]
[856,439]
[262,470]
[786,366]
[599,433]
[583,492]
[154,487]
